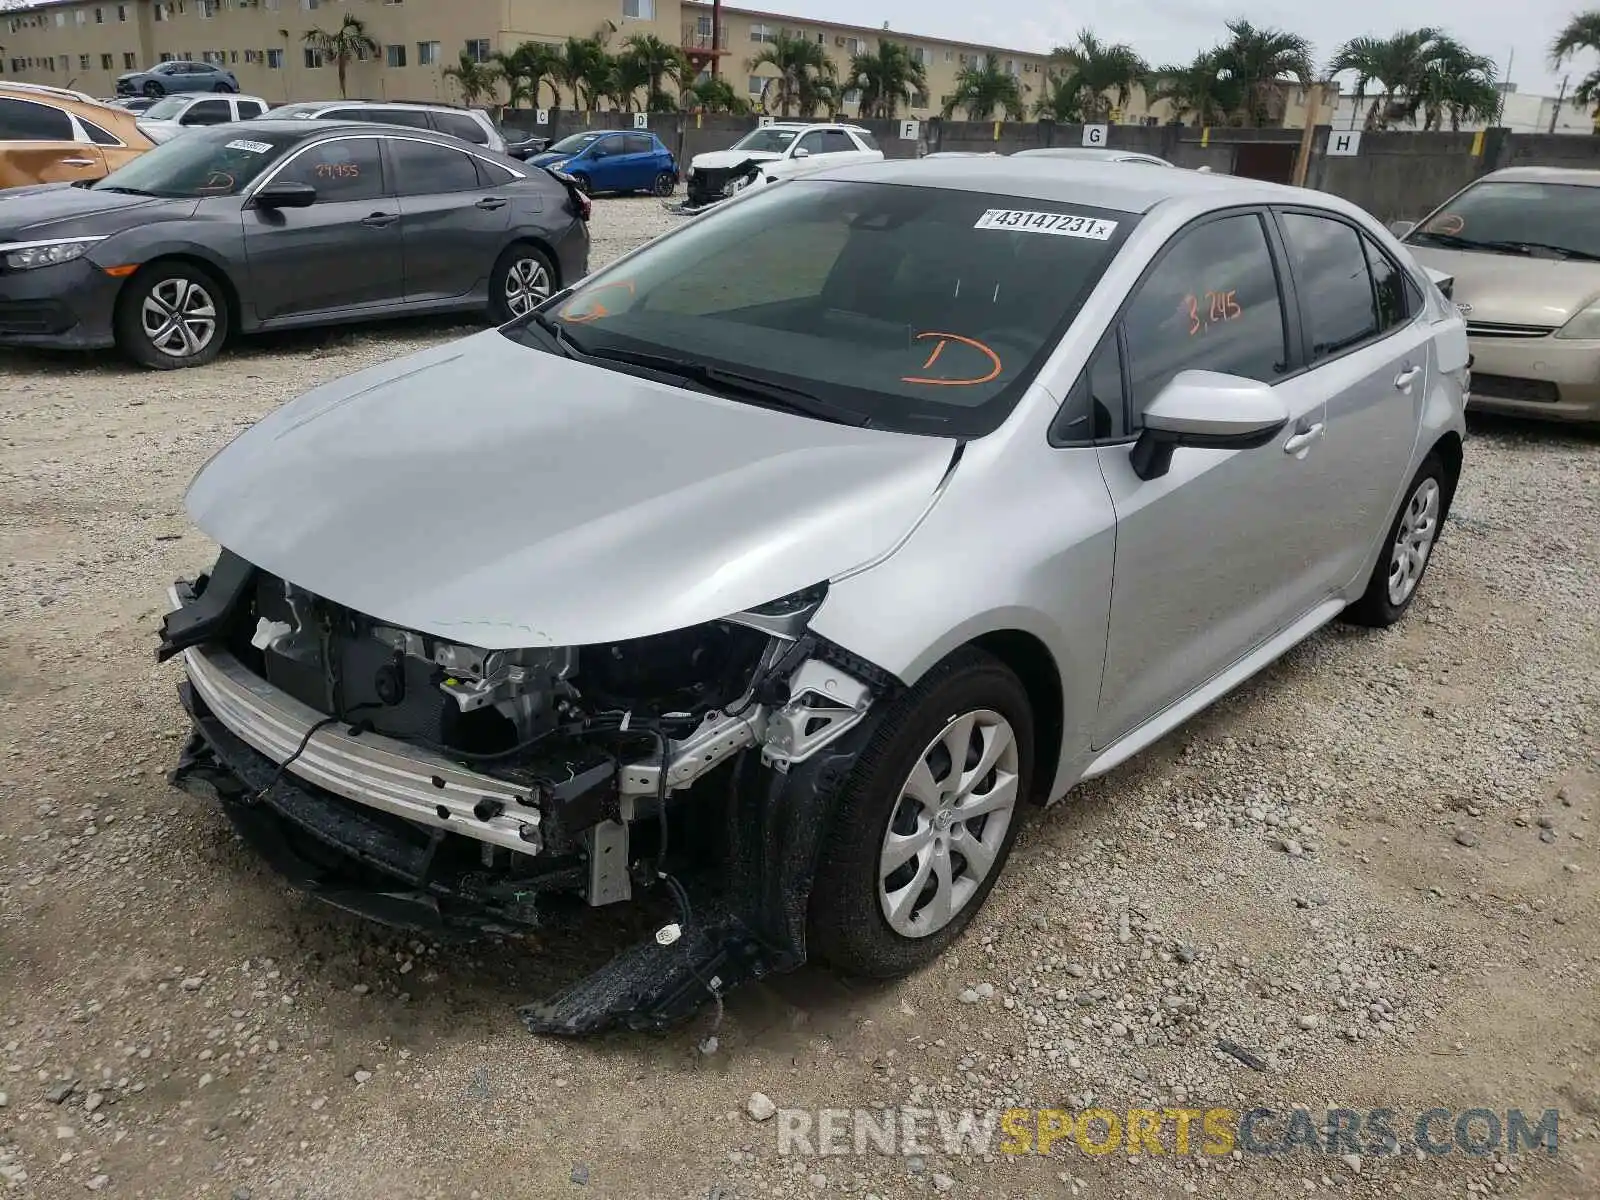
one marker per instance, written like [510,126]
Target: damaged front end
[706,187]
[430,784]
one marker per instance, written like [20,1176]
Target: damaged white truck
[781,591]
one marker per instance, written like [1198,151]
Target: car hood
[545,158]
[159,131]
[500,496]
[1508,289]
[721,160]
[62,210]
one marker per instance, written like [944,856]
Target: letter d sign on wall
[1094,135]
[1344,145]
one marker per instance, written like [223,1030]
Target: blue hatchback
[614,160]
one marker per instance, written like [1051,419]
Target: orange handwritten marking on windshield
[1447,224]
[597,310]
[944,340]
[217,181]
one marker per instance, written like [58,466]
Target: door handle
[1406,378]
[77,162]
[379,220]
[491,203]
[1301,441]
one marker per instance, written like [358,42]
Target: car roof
[193,96]
[1070,181]
[308,130]
[84,106]
[1097,153]
[1574,175]
[803,125]
[366,103]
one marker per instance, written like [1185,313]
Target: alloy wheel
[179,317]
[527,285]
[949,823]
[1413,541]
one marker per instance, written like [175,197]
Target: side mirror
[1401,228]
[286,195]
[802,153]
[1206,410]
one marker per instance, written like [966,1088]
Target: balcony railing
[697,38]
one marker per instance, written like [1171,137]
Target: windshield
[573,143]
[167,108]
[773,140]
[208,162]
[910,308]
[1508,216]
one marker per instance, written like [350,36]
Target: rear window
[919,309]
[460,125]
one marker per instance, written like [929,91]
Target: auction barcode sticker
[1060,224]
[252,147]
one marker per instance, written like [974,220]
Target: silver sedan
[778,565]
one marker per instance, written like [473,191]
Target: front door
[1229,546]
[453,226]
[340,254]
[39,144]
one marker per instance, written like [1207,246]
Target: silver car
[777,567]
[1094,154]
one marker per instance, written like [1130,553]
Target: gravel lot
[1374,867]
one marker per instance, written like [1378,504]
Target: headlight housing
[1585,326]
[47,254]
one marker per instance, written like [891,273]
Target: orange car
[51,135]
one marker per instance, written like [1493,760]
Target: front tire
[1407,550]
[171,315]
[522,279]
[926,821]
[222,87]
[585,184]
[666,184]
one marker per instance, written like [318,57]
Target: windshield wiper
[124,191]
[1529,248]
[558,333]
[765,392]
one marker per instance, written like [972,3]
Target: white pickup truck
[774,152]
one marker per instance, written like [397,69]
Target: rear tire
[899,846]
[1407,550]
[171,315]
[154,90]
[523,278]
[222,87]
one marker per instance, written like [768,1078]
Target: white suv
[774,152]
[466,123]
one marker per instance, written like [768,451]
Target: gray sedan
[803,547]
[273,224]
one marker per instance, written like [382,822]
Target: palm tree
[350,41]
[659,61]
[1457,83]
[475,79]
[1399,63]
[1581,33]
[1062,102]
[526,71]
[624,77]
[1097,71]
[585,68]
[886,78]
[1260,60]
[716,96]
[805,72]
[1201,87]
[983,89]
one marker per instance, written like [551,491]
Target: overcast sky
[1174,30]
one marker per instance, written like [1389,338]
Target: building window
[757,82]
[919,100]
[122,13]
[208,9]
[61,21]
[852,96]
[760,33]
[129,60]
[274,60]
[313,58]
[308,5]
[81,17]
[99,16]
[427,53]
[1011,66]
[394,56]
[83,62]
[639,10]
[160,16]
[854,45]
[478,49]
[105,62]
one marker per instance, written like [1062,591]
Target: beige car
[51,135]
[1523,246]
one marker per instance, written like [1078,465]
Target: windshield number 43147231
[1060,224]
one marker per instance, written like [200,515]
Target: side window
[1094,410]
[98,136]
[207,112]
[493,174]
[604,147]
[250,108]
[462,126]
[1211,304]
[868,142]
[1330,269]
[1389,285]
[25,121]
[637,143]
[811,142]
[423,169]
[346,169]
[837,141]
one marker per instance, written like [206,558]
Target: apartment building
[86,44]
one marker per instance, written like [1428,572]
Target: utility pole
[1560,100]
[1307,135]
[716,38]
[1500,109]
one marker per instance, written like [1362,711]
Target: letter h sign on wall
[1344,145]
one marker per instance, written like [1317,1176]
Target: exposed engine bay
[428,783]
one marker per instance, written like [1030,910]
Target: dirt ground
[1373,868]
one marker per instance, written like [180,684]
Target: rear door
[1368,348]
[638,160]
[40,143]
[453,222]
[343,252]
